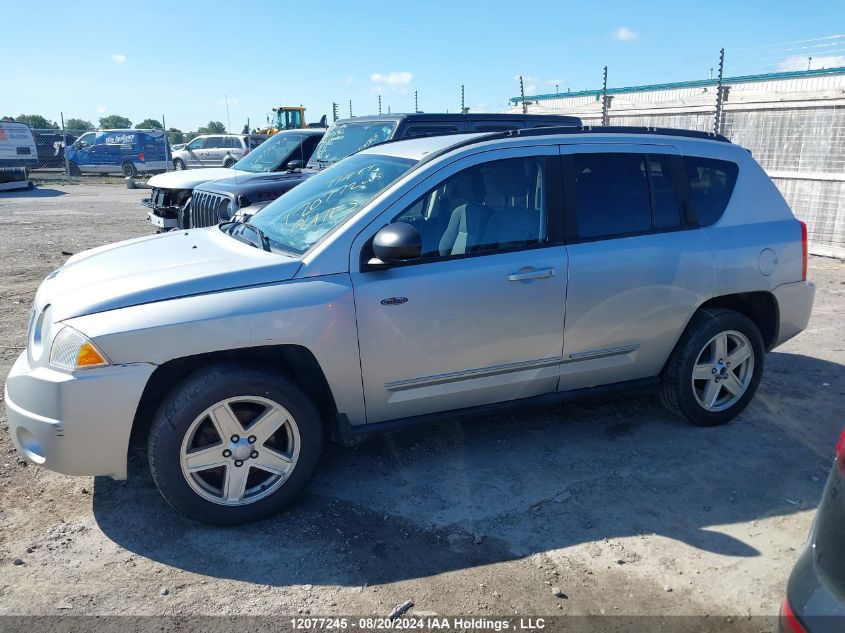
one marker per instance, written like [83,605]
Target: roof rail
[567,130]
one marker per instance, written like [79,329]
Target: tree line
[118,122]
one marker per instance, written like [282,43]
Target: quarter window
[711,184]
[612,195]
[499,205]
[213,142]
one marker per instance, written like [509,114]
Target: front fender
[316,313]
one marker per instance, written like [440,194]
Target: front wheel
[233,444]
[228,162]
[178,164]
[74,170]
[715,368]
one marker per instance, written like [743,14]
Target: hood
[157,268]
[190,178]
[259,187]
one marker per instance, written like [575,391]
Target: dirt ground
[612,504]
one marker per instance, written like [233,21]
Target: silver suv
[216,150]
[441,274]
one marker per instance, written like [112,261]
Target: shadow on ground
[499,488]
[34,192]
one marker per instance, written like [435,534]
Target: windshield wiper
[262,236]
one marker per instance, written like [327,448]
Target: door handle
[527,275]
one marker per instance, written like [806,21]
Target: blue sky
[181,59]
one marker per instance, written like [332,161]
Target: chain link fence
[63,155]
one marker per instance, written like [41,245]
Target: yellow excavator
[288,118]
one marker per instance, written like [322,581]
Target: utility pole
[228,120]
[334,111]
[717,119]
[557,88]
[605,120]
[522,95]
[379,104]
[809,62]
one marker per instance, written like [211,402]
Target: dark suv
[219,200]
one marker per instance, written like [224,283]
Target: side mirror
[295,164]
[396,242]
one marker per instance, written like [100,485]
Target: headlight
[72,350]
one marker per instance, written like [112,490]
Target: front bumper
[795,305]
[75,424]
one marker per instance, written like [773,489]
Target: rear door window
[233,142]
[611,194]
[711,184]
[417,131]
[664,198]
[213,142]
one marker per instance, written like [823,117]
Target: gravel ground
[612,504]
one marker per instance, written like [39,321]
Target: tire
[74,170]
[129,170]
[178,164]
[720,390]
[229,162]
[189,418]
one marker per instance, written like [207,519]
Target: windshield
[295,221]
[269,155]
[344,139]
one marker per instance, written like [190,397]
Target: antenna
[350,108]
[379,104]
[416,101]
[334,111]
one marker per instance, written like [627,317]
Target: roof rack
[579,129]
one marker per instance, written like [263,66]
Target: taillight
[141,156]
[788,622]
[803,250]
[246,152]
[840,453]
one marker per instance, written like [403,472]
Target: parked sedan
[216,150]
[815,595]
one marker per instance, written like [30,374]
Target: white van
[17,145]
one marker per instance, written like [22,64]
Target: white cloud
[801,62]
[398,81]
[117,57]
[529,82]
[349,79]
[624,34]
[102,109]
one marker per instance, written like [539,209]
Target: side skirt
[348,435]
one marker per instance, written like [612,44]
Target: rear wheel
[715,368]
[129,170]
[228,162]
[233,444]
[178,164]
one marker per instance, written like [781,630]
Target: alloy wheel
[723,370]
[240,450]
